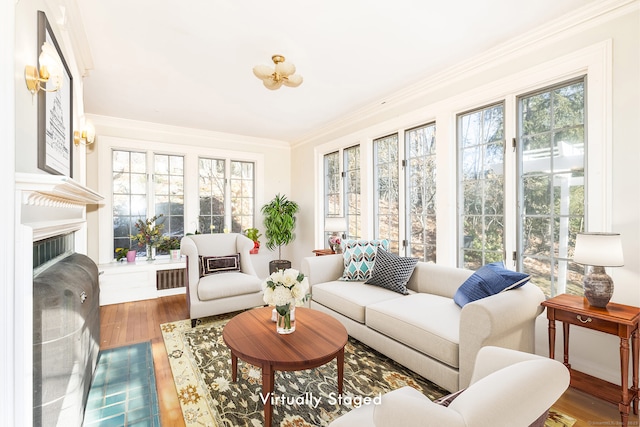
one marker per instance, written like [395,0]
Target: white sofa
[425,330]
[508,388]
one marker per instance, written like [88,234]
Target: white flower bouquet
[286,289]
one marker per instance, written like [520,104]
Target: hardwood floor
[133,322]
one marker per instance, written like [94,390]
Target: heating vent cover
[170,279]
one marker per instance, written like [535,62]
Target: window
[129,172]
[212,196]
[352,191]
[332,184]
[421,192]
[223,207]
[242,196]
[481,187]
[551,129]
[387,195]
[168,177]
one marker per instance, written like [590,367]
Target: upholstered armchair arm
[520,393]
[320,269]
[244,245]
[190,250]
[505,320]
[408,407]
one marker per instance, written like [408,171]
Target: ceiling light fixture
[50,71]
[283,74]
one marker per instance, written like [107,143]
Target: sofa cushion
[359,257]
[350,299]
[391,271]
[216,264]
[489,280]
[428,323]
[222,285]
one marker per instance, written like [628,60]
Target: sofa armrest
[504,320]
[321,269]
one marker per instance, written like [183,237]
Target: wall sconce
[50,71]
[85,137]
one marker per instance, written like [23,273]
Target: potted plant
[279,223]
[254,235]
[170,245]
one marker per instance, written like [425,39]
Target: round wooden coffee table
[252,337]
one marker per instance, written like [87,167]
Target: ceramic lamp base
[598,287]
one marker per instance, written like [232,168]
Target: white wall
[592,352]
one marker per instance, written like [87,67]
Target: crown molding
[596,13]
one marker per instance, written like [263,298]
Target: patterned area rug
[201,366]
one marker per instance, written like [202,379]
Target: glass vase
[286,318]
[151,253]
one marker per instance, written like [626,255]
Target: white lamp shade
[263,71]
[599,249]
[272,84]
[285,68]
[335,223]
[293,81]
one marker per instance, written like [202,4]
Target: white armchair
[228,285]
[508,388]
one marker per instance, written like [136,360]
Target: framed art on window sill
[55,114]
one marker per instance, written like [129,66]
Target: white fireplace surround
[46,206]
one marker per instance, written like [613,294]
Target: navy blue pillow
[488,280]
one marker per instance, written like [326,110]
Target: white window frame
[594,61]
[191,154]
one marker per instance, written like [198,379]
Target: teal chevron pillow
[359,258]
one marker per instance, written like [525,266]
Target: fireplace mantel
[52,204]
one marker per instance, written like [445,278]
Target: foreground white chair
[222,291]
[508,388]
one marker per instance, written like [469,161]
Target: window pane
[551,160]
[387,205]
[421,192]
[169,195]
[129,195]
[212,196]
[352,192]
[481,183]
[242,196]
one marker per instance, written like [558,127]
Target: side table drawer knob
[587,320]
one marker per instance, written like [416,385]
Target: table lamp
[598,250]
[336,226]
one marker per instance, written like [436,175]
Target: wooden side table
[320,252]
[615,319]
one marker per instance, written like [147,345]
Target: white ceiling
[189,63]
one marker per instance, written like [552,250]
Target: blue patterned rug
[123,390]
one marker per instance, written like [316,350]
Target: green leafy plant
[121,253]
[279,222]
[253,234]
[169,243]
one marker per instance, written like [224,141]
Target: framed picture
[55,114]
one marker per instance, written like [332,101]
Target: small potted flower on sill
[122,253]
[254,235]
[170,245]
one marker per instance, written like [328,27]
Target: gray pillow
[392,272]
